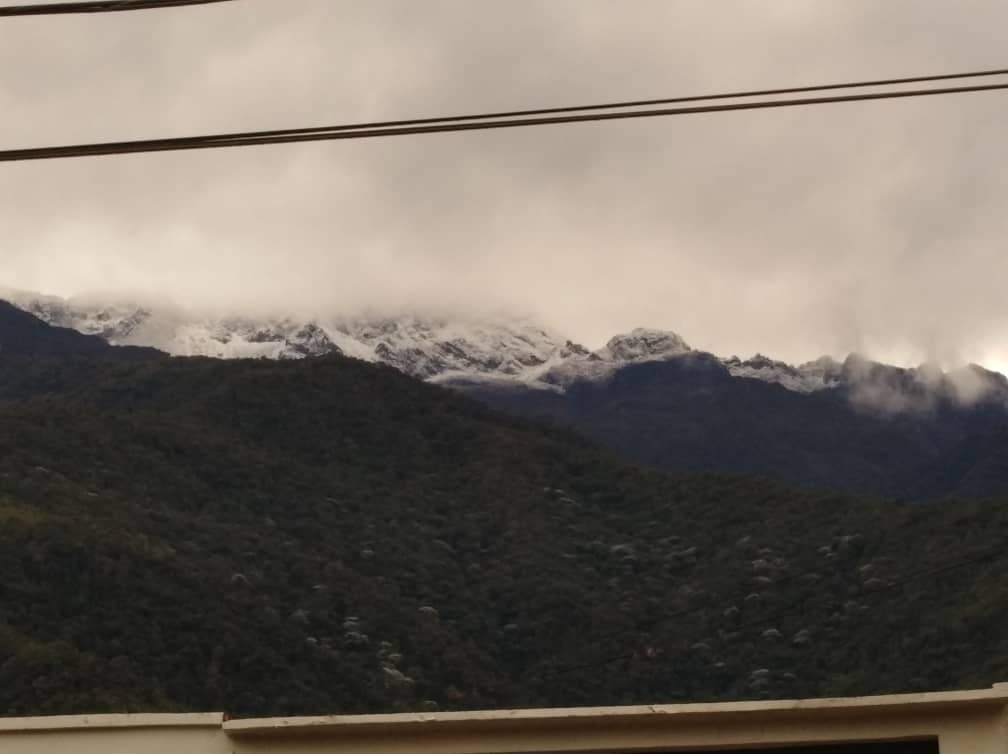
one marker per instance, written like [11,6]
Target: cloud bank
[876,227]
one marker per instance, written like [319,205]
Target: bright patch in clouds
[873,227]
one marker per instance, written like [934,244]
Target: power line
[442,125]
[698,98]
[104,6]
[986,73]
[621,105]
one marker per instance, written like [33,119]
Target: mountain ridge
[856,426]
[491,349]
[22,333]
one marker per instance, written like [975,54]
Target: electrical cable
[101,6]
[444,125]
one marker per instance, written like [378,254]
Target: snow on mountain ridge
[423,347]
[643,344]
[501,350]
[112,321]
[822,374]
[638,345]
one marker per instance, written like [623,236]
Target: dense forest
[330,536]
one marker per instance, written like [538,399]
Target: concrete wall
[967,722]
[115,734]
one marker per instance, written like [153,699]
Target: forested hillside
[323,536]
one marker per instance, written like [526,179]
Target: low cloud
[923,389]
[876,228]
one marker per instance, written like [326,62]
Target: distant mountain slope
[852,425]
[467,349]
[423,347]
[24,334]
[433,348]
[326,535]
[690,414]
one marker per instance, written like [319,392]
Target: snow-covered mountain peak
[441,348]
[470,349]
[423,346]
[640,344]
[113,321]
[821,374]
[644,344]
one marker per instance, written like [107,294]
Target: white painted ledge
[110,722]
[524,719]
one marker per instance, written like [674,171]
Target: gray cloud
[872,227]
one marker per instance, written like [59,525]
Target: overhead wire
[486,121]
[100,6]
[630,109]
[626,104]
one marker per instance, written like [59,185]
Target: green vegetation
[323,536]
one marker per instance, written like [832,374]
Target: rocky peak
[23,333]
[821,374]
[111,322]
[572,350]
[642,344]
[473,349]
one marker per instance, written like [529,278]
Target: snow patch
[486,351]
[822,374]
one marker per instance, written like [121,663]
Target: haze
[875,227]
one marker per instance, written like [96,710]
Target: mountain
[22,333]
[880,431]
[423,347]
[511,350]
[853,425]
[326,535]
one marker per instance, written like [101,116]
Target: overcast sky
[874,227]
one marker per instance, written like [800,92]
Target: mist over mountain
[464,348]
[23,334]
[854,424]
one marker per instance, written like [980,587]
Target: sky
[873,227]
